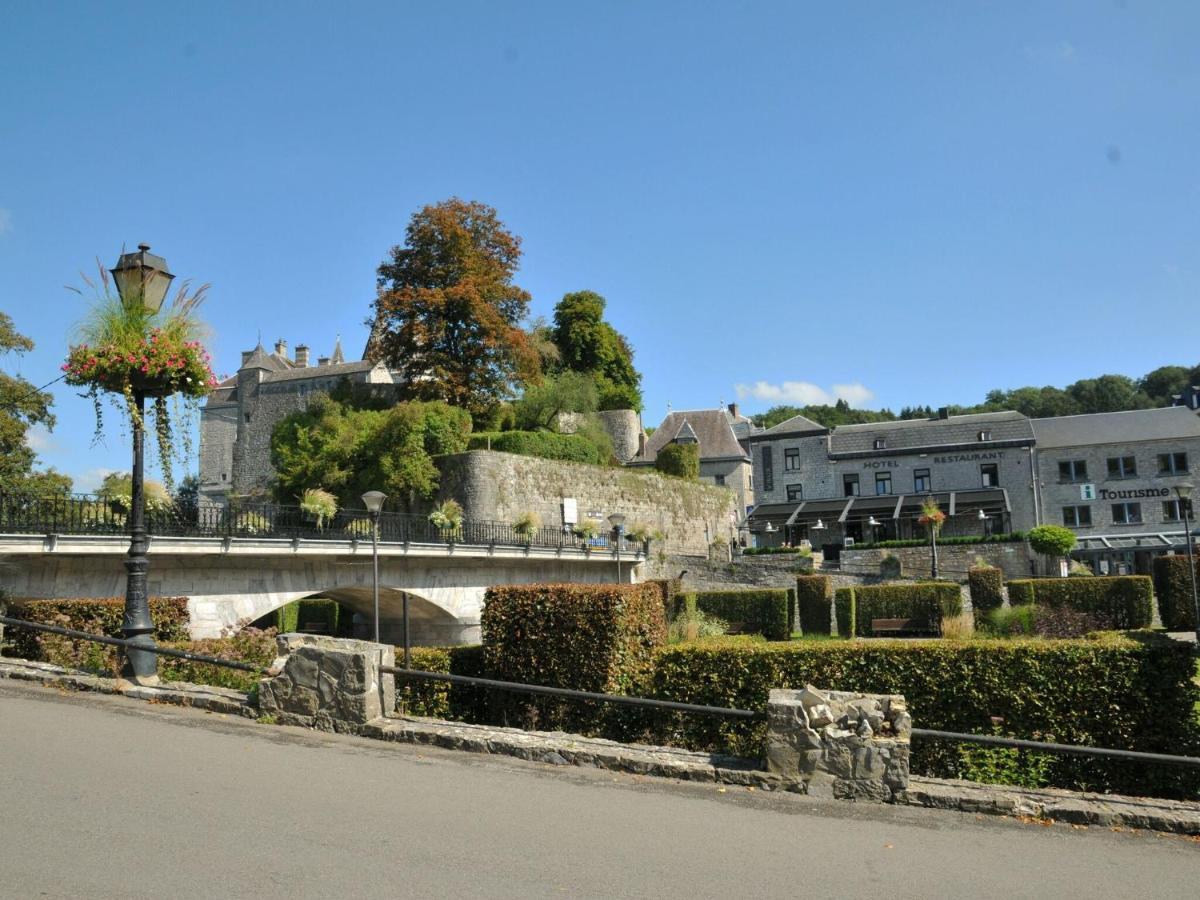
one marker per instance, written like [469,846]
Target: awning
[771,513]
[1156,540]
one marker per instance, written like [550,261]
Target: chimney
[322,360]
[943,412]
[302,355]
[733,410]
[281,348]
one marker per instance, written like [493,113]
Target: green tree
[1164,383]
[1108,393]
[448,315]
[349,451]
[568,392]
[1052,540]
[679,460]
[586,343]
[21,407]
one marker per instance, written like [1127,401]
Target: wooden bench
[901,626]
[735,628]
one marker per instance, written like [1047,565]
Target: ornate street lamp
[872,523]
[617,521]
[1184,493]
[373,500]
[142,280]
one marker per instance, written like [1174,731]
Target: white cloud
[38,439]
[5,221]
[89,482]
[805,393]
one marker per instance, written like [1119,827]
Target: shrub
[1173,587]
[542,444]
[248,645]
[439,699]
[890,566]
[1118,602]
[691,624]
[679,460]
[765,611]
[672,596]
[313,613]
[947,541]
[772,551]
[987,589]
[591,637]
[1052,540]
[814,596]
[1063,622]
[95,616]
[1110,692]
[1011,621]
[930,601]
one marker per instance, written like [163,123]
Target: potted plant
[447,517]
[526,526]
[320,505]
[586,530]
[126,349]
[932,518]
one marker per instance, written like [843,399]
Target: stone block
[840,744]
[331,684]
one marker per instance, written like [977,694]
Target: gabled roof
[711,428]
[685,434]
[326,371]
[1166,423]
[794,425]
[261,359]
[919,434]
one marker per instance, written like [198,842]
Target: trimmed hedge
[1115,691]
[98,616]
[542,444]
[316,611]
[591,637]
[1014,537]
[1173,588]
[814,595]
[772,551]
[767,611]
[928,600]
[437,699]
[248,645]
[987,589]
[1118,602]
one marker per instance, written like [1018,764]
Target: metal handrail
[621,699]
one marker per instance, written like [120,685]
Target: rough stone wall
[624,427]
[499,487]
[953,561]
[706,573]
[218,431]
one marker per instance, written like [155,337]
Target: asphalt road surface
[105,797]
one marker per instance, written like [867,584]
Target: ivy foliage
[679,460]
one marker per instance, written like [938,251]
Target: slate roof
[326,371]
[1166,423]
[261,359]
[920,434]
[711,427]
[794,425]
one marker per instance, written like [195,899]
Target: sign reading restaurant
[951,458]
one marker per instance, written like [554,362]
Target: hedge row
[1117,691]
[771,551]
[766,611]
[593,637]
[542,444]
[814,597]
[1118,602]
[96,616]
[1173,588]
[987,589]
[927,601]
[311,614]
[248,645]
[437,699]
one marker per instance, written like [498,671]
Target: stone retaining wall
[953,561]
[499,487]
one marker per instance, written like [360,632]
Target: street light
[142,280]
[873,523]
[617,521]
[1184,493]
[373,501]
[982,518]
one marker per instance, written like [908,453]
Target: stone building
[868,482]
[722,435]
[1111,478]
[237,419]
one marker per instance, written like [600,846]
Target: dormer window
[985,435]
[880,443]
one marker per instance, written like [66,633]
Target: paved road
[102,797]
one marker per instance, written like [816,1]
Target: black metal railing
[622,700]
[103,515]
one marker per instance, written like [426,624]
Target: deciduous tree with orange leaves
[448,315]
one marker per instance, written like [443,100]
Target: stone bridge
[232,581]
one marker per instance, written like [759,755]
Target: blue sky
[897,203]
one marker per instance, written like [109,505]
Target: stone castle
[237,419]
